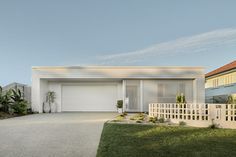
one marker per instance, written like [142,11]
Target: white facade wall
[57,86]
[46,79]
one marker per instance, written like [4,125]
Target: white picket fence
[200,115]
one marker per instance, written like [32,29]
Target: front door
[132,98]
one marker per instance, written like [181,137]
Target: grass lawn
[127,140]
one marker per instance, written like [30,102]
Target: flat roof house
[97,88]
[221,83]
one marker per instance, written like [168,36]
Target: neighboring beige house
[221,83]
[25,89]
[97,88]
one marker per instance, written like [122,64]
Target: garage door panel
[89,97]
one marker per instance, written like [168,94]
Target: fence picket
[200,115]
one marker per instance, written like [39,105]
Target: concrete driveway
[52,135]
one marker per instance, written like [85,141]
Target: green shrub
[5,101]
[30,111]
[123,114]
[13,102]
[152,119]
[180,98]
[132,118]
[16,96]
[119,104]
[120,117]
[138,121]
[213,125]
[161,120]
[231,99]
[20,107]
[139,116]
[182,123]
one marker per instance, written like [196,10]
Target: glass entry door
[133,96]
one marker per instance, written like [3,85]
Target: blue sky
[112,32]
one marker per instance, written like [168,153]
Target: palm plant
[5,100]
[17,96]
[180,98]
[1,96]
[19,105]
[231,99]
[50,98]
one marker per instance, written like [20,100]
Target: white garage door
[89,97]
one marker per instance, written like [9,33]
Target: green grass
[127,140]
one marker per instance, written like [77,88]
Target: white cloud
[193,44]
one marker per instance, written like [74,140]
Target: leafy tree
[5,100]
[17,96]
[1,96]
[19,105]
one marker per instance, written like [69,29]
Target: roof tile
[224,68]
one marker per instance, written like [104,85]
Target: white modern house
[97,88]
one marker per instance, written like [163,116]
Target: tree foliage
[12,101]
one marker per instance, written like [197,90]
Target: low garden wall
[199,115]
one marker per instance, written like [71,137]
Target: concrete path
[52,135]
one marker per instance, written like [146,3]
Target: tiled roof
[224,68]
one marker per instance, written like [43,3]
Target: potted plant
[50,106]
[180,99]
[119,106]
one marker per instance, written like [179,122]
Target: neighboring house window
[228,79]
[215,82]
